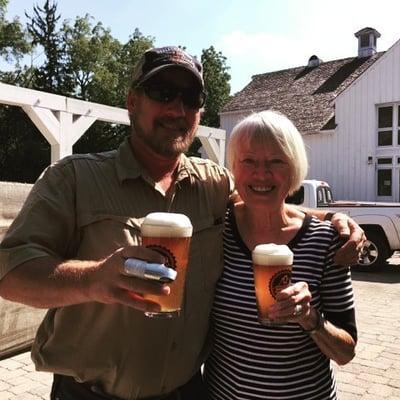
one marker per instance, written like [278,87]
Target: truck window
[296,197]
[324,196]
[329,196]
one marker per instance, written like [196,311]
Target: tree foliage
[13,40]
[54,74]
[216,79]
[81,59]
[24,152]
[92,56]
[102,67]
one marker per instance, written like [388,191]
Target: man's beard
[168,148]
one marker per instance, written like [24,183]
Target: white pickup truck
[380,221]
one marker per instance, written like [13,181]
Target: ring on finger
[298,310]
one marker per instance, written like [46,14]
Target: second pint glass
[272,266]
[169,234]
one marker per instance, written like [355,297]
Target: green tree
[102,68]
[21,145]
[91,55]
[100,65]
[24,152]
[13,40]
[130,54]
[216,80]
[53,75]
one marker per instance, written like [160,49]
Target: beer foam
[161,224]
[272,254]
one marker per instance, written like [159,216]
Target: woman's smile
[262,189]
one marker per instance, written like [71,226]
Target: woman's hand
[292,304]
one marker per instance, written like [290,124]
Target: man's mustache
[175,123]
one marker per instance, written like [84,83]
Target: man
[66,249]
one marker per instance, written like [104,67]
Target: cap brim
[155,71]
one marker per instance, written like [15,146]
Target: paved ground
[374,374]
[19,380]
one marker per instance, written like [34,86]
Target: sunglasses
[162,93]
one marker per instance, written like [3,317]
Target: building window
[385,160]
[398,128]
[384,176]
[388,151]
[385,126]
[384,182]
[385,117]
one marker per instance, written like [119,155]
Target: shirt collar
[128,167]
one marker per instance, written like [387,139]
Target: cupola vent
[314,61]
[367,41]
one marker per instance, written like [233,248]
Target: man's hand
[109,284]
[47,282]
[355,238]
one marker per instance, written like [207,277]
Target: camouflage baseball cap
[158,59]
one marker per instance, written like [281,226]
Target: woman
[290,361]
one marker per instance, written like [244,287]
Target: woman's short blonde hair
[266,127]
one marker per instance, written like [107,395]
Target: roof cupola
[367,41]
[314,61]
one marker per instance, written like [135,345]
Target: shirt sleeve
[337,293]
[46,224]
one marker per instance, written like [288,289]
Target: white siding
[229,120]
[356,116]
[340,158]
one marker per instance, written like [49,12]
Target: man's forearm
[317,212]
[47,282]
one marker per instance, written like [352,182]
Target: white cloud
[254,53]
[260,47]
[250,54]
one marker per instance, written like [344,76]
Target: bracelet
[328,216]
[318,325]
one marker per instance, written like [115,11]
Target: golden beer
[272,267]
[170,235]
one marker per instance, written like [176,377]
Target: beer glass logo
[170,260]
[279,281]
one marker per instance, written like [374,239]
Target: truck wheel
[375,251]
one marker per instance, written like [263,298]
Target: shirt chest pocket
[102,234]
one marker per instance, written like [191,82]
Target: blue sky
[256,36]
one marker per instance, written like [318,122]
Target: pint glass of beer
[169,234]
[272,266]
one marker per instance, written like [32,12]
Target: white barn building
[348,112]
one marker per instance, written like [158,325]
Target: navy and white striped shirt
[250,361]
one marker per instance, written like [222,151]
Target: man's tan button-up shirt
[87,206]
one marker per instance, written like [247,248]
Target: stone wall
[18,323]
[12,197]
